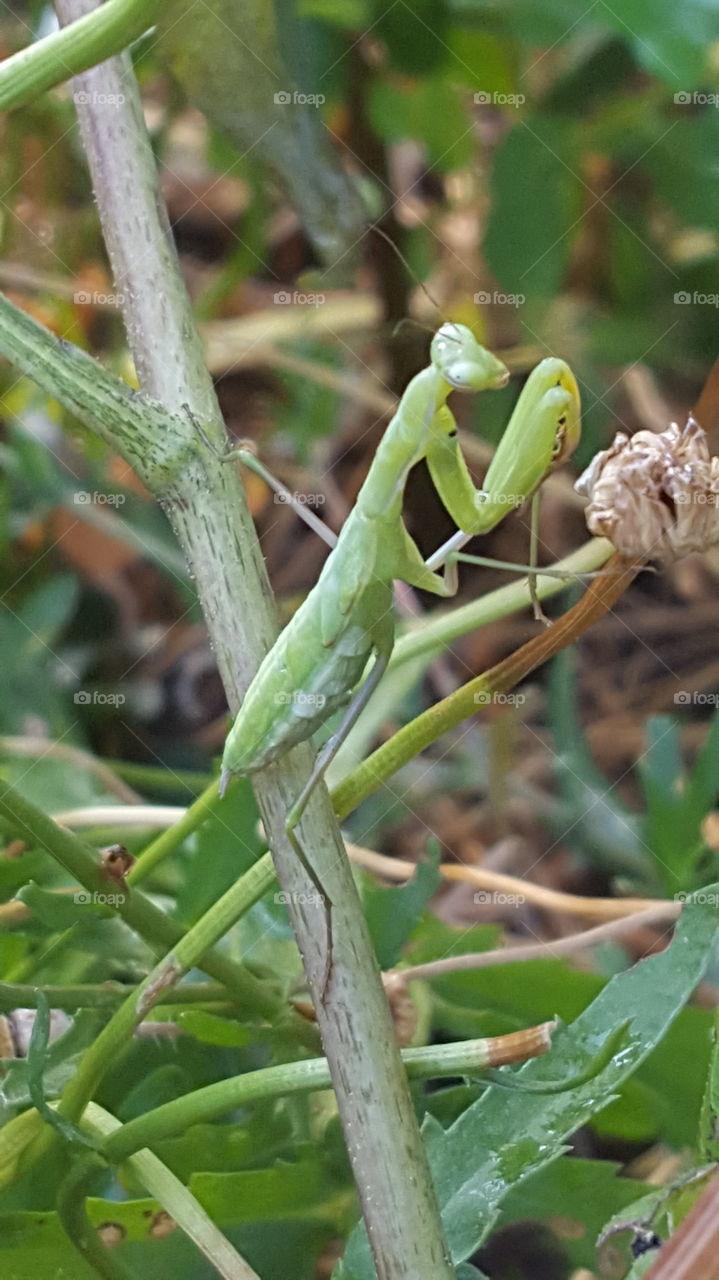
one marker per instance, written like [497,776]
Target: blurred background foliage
[550,173]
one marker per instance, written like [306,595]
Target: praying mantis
[347,619]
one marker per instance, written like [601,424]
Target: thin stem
[72,1211]
[466,1058]
[574,904]
[168,841]
[182,1206]
[98,35]
[433,634]
[42,748]
[188,951]
[155,777]
[567,946]
[104,995]
[415,737]
[158,930]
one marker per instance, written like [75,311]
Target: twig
[551,899]
[568,945]
[41,747]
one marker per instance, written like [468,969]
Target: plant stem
[415,737]
[182,1206]
[158,930]
[432,634]
[188,950]
[98,35]
[168,840]
[205,502]
[155,777]
[72,1212]
[15,995]
[468,1057]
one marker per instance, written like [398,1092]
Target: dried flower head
[655,495]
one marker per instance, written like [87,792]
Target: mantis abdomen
[300,684]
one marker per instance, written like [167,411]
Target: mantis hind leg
[322,763]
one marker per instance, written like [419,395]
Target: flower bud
[655,495]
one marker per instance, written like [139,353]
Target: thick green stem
[98,35]
[206,505]
[466,1058]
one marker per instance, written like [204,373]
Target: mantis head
[463,362]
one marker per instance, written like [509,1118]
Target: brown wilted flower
[655,495]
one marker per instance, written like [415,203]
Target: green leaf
[212,1029]
[537,168]
[61,911]
[393,913]
[416,34]
[482,1156]
[575,1198]
[670,40]
[37,1056]
[287,1190]
[429,110]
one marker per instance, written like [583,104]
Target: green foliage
[482,1155]
[580,148]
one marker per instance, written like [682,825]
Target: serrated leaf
[60,1060]
[497,1143]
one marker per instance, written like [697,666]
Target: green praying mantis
[320,657]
